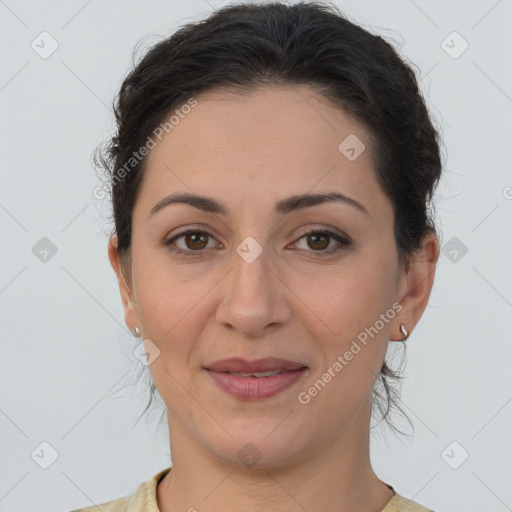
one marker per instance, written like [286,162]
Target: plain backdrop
[67,361]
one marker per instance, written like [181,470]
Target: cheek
[167,294]
[347,299]
[173,316]
[351,337]
[349,332]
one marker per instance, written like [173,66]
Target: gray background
[67,364]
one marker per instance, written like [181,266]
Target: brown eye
[194,241]
[319,241]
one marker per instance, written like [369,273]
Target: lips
[256,380]
[241,366]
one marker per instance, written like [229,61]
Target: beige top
[144,500]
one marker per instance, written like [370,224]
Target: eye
[195,240]
[319,240]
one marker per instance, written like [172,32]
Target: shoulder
[400,504]
[119,505]
[142,500]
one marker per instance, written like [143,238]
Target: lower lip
[254,388]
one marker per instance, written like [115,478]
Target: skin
[250,151]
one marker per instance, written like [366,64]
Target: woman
[271,181]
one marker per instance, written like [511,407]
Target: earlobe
[419,281]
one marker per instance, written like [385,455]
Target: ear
[126,288]
[416,285]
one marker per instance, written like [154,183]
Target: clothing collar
[144,497]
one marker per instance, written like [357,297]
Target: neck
[335,477]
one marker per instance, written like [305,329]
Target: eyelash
[344,243]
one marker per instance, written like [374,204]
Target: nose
[254,298]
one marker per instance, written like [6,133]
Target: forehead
[272,142]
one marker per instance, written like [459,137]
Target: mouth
[256,374]
[252,380]
[268,364]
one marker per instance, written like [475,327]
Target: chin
[255,449]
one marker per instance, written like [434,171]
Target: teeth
[255,374]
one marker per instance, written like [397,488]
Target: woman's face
[250,283]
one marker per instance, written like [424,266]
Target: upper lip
[267,364]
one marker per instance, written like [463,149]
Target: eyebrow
[290,204]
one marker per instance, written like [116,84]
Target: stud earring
[404,332]
[137,330]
